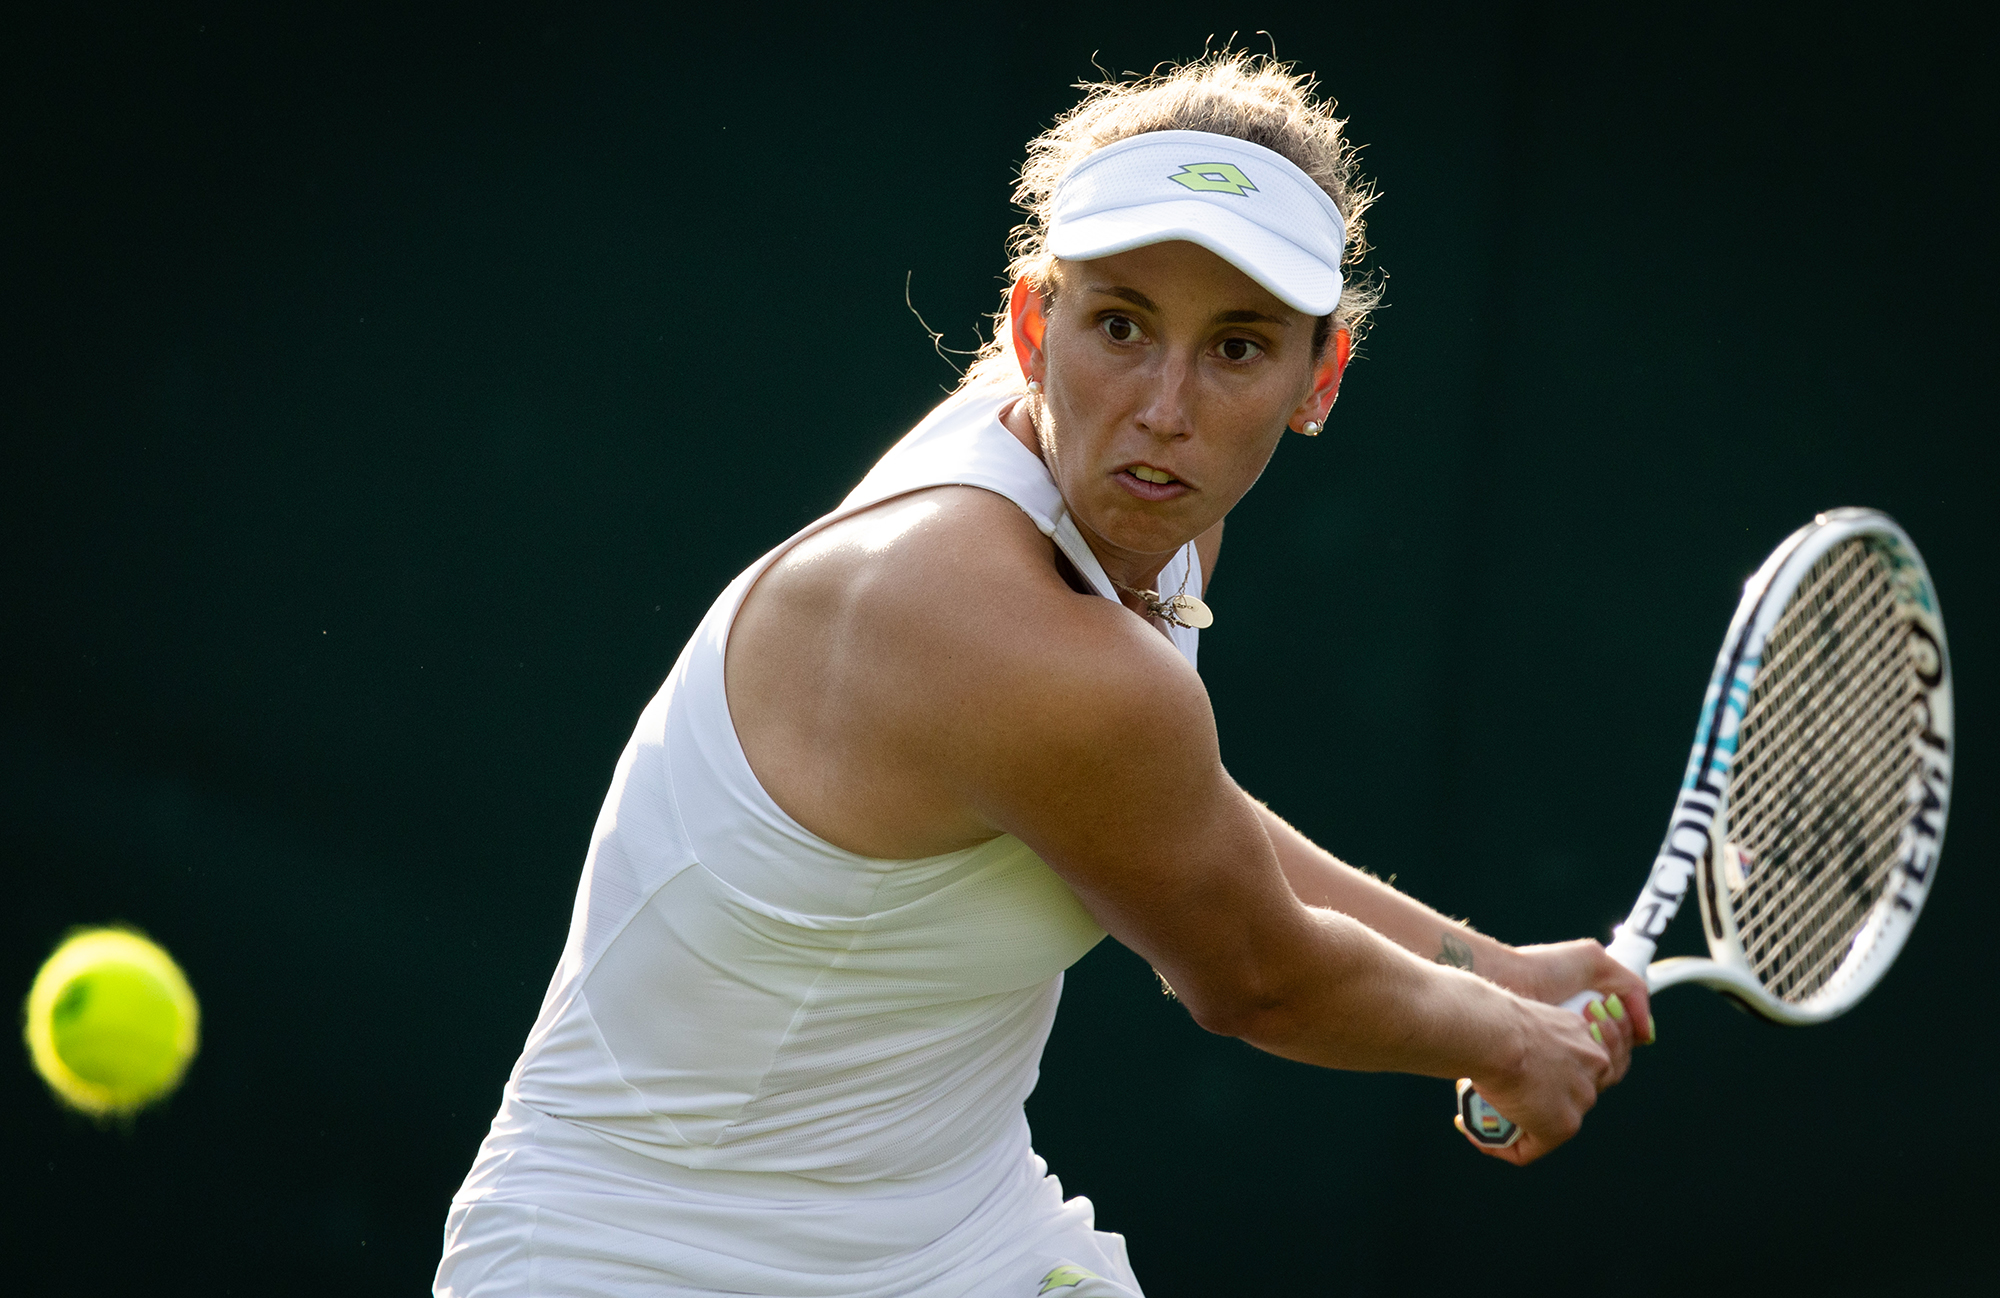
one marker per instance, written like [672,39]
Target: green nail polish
[1652,1031]
[1596,1011]
[1617,1007]
[1597,1034]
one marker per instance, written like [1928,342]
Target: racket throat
[1633,950]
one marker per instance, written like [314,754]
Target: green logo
[1069,1275]
[1213,178]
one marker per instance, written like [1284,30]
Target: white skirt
[554,1211]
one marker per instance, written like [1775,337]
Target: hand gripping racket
[1813,808]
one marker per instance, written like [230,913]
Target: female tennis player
[921,757]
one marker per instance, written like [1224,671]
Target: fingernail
[1597,1034]
[1616,1006]
[1596,1011]
[1652,1030]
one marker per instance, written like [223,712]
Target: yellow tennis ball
[112,1022]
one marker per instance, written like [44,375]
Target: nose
[1168,411]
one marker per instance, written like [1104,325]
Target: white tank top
[759,1012]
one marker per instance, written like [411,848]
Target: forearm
[1353,999]
[1319,878]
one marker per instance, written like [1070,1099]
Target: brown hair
[1248,96]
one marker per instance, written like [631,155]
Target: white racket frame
[1691,851]
[1699,829]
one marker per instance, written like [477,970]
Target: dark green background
[386,395]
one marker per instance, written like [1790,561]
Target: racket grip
[1485,1124]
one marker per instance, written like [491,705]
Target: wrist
[1501,964]
[1504,1054]
[1483,1028]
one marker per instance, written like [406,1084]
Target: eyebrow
[1144,303]
[1132,295]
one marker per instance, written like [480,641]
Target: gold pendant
[1176,610]
[1187,611]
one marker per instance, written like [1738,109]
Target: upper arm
[1100,752]
[955,688]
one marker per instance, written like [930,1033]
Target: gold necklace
[1180,609]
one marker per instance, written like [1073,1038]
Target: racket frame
[1699,829]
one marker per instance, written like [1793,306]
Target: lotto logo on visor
[1213,178]
[1248,205]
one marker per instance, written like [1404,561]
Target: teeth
[1151,474]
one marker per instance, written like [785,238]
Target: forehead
[1177,278]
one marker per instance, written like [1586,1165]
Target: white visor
[1253,208]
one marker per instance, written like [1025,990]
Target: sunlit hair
[1248,96]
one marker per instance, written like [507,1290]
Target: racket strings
[1819,875]
[1872,709]
[1785,697]
[1817,790]
[1787,901]
[1848,838]
[1842,757]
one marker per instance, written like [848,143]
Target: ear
[1030,326]
[1326,382]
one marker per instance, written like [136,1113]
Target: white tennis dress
[766,1065]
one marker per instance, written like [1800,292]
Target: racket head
[1829,730]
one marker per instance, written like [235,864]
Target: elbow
[1260,1015]
[1267,988]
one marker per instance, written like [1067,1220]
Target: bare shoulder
[920,677]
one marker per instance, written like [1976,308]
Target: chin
[1156,531]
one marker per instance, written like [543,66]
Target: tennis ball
[112,1022]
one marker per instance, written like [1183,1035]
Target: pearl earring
[1311,429]
[1034,388]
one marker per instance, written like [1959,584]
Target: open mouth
[1149,483]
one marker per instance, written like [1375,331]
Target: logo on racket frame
[1930,791]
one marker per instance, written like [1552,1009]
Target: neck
[1128,572]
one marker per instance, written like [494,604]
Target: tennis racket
[1813,809]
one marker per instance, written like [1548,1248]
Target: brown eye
[1119,329]
[1239,349]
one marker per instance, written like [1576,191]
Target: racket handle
[1484,1123]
